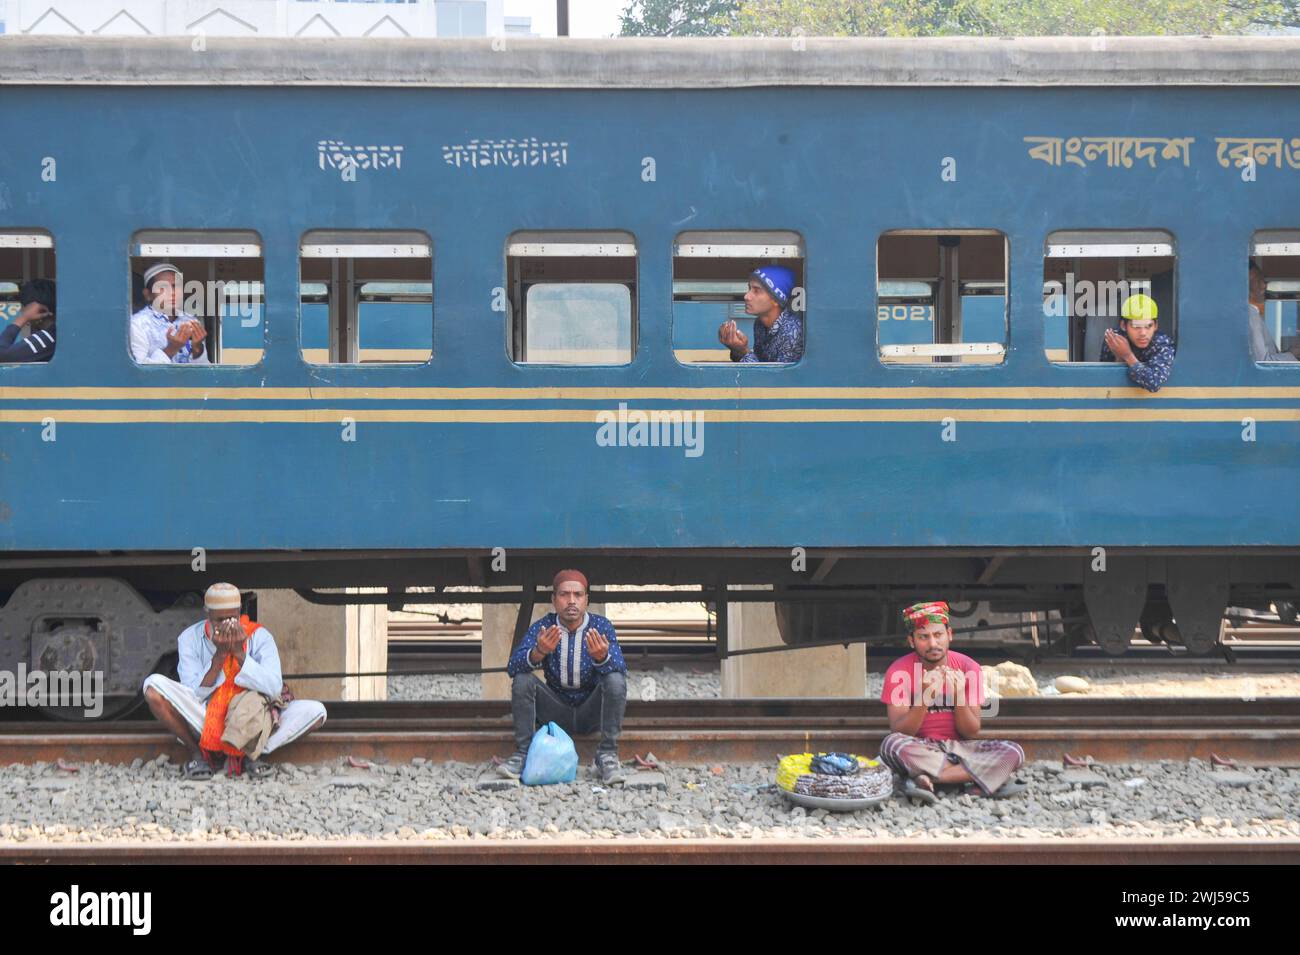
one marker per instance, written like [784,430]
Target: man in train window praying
[1149,353]
[778,331]
[36,302]
[586,683]
[1261,343]
[230,705]
[160,332]
[933,696]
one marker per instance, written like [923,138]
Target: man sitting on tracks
[209,711]
[778,331]
[1148,353]
[934,697]
[586,682]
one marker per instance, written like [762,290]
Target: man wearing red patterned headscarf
[586,683]
[933,696]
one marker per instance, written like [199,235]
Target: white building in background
[253,18]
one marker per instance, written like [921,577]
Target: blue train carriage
[455,300]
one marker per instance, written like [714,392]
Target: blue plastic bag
[552,758]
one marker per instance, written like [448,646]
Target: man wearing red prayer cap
[934,696]
[586,682]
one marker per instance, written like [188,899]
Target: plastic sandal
[197,770]
[256,769]
[918,793]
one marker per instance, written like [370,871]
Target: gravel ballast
[424,800]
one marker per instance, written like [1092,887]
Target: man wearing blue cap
[778,332]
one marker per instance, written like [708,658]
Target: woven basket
[873,781]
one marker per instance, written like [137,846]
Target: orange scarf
[214,720]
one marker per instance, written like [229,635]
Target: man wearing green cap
[1148,353]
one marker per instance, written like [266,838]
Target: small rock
[1071,684]
[348,782]
[645,781]
[1082,777]
[1230,777]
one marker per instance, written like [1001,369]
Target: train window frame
[574,247]
[751,248]
[1274,244]
[939,287]
[1078,245]
[343,248]
[26,240]
[177,246]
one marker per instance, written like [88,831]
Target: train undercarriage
[119,613]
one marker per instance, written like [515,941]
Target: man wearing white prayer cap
[161,333]
[222,658]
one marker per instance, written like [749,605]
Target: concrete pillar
[499,633]
[312,638]
[811,672]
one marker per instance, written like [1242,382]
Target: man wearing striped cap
[934,696]
[210,709]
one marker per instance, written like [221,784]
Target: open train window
[710,278]
[203,279]
[941,297]
[1274,295]
[1088,275]
[366,297]
[26,270]
[572,297]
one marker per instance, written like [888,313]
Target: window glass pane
[579,324]
[572,297]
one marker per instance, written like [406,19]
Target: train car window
[1088,275]
[196,297]
[710,278]
[572,297]
[366,297]
[1273,291]
[27,320]
[941,297]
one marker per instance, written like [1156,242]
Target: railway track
[1262,732]
[891,852]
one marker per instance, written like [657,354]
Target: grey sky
[587,18]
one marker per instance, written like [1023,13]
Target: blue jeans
[533,703]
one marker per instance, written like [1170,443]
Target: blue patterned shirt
[783,342]
[1154,363]
[569,669]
